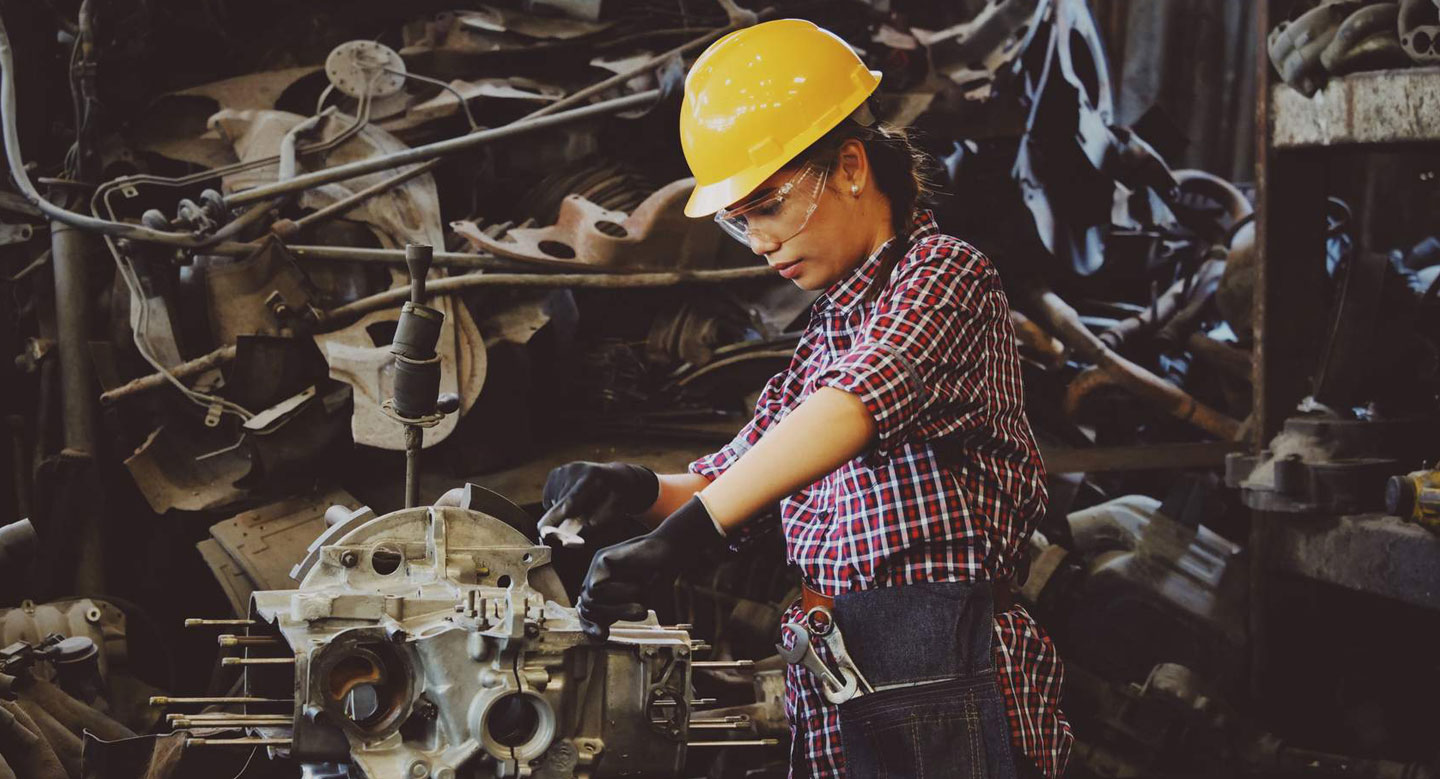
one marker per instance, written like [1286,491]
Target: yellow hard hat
[757,98]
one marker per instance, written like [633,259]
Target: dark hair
[902,172]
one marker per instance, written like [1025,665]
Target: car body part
[656,236]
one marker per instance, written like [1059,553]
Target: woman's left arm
[829,428]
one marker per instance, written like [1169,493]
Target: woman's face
[845,227]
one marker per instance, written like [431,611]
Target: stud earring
[855,190]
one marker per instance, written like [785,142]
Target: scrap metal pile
[204,270]
[1337,37]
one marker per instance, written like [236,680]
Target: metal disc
[352,66]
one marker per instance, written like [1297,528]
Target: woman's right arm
[675,490]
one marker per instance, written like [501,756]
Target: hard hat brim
[706,200]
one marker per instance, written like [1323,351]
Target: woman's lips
[789,270]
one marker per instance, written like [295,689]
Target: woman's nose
[762,245]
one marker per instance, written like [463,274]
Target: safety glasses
[777,214]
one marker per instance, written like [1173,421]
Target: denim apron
[937,710]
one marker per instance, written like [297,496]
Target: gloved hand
[597,494]
[622,575]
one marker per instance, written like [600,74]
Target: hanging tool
[417,403]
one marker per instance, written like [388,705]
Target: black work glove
[597,494]
[623,575]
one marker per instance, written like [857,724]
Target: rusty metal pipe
[1081,387]
[156,380]
[1032,336]
[439,148]
[1065,323]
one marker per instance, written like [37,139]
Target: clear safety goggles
[777,214]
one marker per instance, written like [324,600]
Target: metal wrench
[802,652]
[838,684]
[823,623]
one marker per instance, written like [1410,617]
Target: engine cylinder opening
[517,726]
[514,720]
[366,687]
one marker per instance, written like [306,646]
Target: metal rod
[195,623]
[757,742]
[414,439]
[719,725]
[163,700]
[350,202]
[337,316]
[696,702]
[644,67]
[723,664]
[439,148]
[228,640]
[156,380]
[257,661]
[238,722]
[228,716]
[387,256]
[237,742]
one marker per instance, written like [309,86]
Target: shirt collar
[846,293]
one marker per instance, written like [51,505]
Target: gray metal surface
[1371,553]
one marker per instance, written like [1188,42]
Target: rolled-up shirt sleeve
[768,410]
[916,366]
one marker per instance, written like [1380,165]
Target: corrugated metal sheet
[1195,60]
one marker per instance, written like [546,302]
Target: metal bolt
[349,559]
[532,630]
[92,615]
[419,769]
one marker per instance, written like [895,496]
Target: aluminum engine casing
[438,642]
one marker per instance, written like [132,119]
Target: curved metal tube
[1065,323]
[1213,186]
[1080,388]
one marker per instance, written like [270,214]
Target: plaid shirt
[933,357]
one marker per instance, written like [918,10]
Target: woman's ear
[852,168]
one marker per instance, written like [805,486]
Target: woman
[895,443]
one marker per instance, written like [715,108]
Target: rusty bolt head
[349,559]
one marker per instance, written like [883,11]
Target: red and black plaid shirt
[932,357]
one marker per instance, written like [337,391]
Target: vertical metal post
[72,315]
[414,439]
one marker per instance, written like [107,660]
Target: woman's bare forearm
[675,489]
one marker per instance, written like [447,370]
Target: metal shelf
[1383,106]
